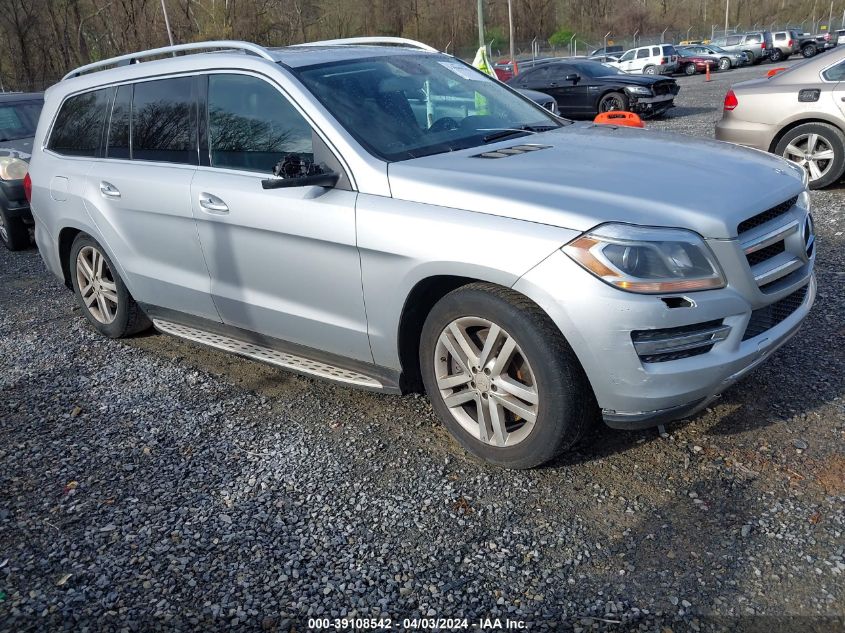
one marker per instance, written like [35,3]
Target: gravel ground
[153,484]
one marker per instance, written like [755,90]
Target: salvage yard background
[150,482]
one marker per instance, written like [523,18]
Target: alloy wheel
[486,381]
[4,232]
[96,285]
[724,63]
[813,152]
[611,104]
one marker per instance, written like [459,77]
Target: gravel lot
[153,484]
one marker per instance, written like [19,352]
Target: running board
[284,360]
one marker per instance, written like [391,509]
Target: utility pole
[167,22]
[727,11]
[513,48]
[830,18]
[480,23]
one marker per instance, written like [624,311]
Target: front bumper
[597,320]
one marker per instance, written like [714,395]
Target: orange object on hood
[619,117]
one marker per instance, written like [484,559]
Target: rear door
[138,194]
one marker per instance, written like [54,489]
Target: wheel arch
[791,125]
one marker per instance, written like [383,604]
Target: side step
[267,355]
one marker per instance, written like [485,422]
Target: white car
[659,59]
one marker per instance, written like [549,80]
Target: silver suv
[757,46]
[389,218]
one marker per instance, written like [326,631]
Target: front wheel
[724,64]
[13,232]
[689,69]
[776,55]
[502,378]
[613,101]
[817,147]
[101,293]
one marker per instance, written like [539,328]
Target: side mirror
[574,77]
[327,179]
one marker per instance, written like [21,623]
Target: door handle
[212,204]
[109,190]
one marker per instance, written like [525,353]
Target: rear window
[163,116]
[18,120]
[79,124]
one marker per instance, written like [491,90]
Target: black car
[583,88]
[18,119]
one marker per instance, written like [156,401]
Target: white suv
[660,59]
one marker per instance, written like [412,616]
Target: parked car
[826,41]
[504,67]
[784,44]
[607,50]
[18,118]
[797,113]
[757,46]
[727,59]
[659,59]
[840,37]
[690,63]
[541,99]
[584,88]
[390,217]
[811,45]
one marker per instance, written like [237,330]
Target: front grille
[663,88]
[764,319]
[763,254]
[766,216]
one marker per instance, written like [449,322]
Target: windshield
[407,106]
[18,120]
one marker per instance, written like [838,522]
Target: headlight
[12,168]
[647,259]
[638,90]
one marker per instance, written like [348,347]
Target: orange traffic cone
[707,72]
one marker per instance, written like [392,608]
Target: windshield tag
[462,71]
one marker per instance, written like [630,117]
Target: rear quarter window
[79,124]
[163,121]
[835,73]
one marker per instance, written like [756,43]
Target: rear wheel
[689,69]
[613,101]
[809,50]
[502,378]
[724,63]
[817,147]
[649,70]
[101,293]
[13,232]
[776,55]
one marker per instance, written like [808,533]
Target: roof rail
[370,41]
[133,58]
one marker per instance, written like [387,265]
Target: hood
[17,148]
[590,174]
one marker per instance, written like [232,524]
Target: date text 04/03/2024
[482,624]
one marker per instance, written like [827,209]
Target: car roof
[14,97]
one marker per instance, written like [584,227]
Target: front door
[283,262]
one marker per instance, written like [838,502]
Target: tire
[115,315]
[828,138]
[650,70]
[724,63]
[13,232]
[776,55]
[809,51]
[542,361]
[613,101]
[690,70]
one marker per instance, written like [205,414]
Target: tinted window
[79,124]
[118,143]
[162,127]
[252,126]
[642,53]
[669,50]
[835,73]
[780,36]
[18,120]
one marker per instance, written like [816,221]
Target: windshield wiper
[510,131]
